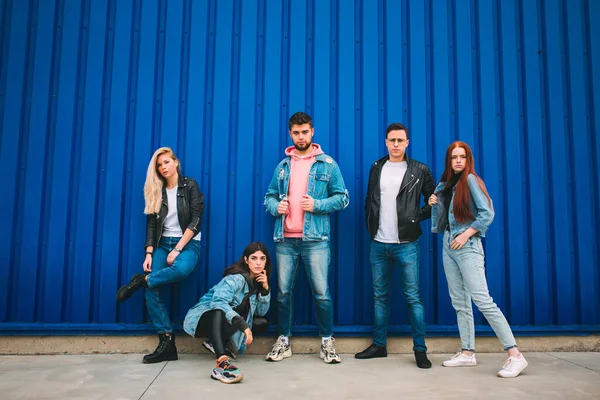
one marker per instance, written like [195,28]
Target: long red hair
[462,195]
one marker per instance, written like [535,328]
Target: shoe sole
[333,361]
[283,356]
[171,358]
[368,357]
[236,380]
[460,365]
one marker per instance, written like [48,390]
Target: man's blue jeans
[406,257]
[316,258]
[163,273]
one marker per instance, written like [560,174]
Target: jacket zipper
[413,186]
[161,226]
[413,178]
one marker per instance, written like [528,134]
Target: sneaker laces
[278,346]
[507,363]
[328,346]
[225,364]
[457,355]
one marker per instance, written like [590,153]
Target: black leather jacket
[190,206]
[417,181]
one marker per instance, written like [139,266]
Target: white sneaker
[328,354]
[280,350]
[513,367]
[460,359]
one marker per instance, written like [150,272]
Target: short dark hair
[396,126]
[300,118]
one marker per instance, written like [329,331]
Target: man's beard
[304,147]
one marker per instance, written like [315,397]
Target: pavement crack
[572,362]
[150,384]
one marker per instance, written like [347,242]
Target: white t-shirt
[171,227]
[389,183]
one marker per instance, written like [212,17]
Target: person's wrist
[149,253]
[177,249]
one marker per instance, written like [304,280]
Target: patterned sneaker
[513,367]
[228,352]
[280,350]
[328,354]
[460,359]
[226,372]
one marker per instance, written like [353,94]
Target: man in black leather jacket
[393,214]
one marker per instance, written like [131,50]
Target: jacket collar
[385,158]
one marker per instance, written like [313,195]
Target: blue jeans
[465,273]
[406,256]
[316,258]
[163,273]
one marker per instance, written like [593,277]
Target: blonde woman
[174,207]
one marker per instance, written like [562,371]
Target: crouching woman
[230,312]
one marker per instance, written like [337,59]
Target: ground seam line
[572,362]
[153,380]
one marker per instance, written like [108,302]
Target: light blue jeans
[315,257]
[163,273]
[405,256]
[465,273]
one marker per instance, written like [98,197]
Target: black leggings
[214,325]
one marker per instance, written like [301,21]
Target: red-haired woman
[462,210]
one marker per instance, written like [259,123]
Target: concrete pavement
[304,376]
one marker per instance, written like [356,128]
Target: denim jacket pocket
[321,183]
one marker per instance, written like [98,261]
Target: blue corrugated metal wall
[88,89]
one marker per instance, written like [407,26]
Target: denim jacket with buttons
[481,207]
[225,296]
[325,185]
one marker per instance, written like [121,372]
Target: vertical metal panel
[88,90]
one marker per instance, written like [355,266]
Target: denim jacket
[481,207]
[226,295]
[325,186]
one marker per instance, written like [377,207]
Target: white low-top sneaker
[460,359]
[513,367]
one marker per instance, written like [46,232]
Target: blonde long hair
[154,181]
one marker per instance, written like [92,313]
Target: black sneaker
[422,360]
[373,351]
[136,282]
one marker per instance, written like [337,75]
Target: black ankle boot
[165,351]
[136,282]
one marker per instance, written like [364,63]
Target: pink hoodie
[299,169]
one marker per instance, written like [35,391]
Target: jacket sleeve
[196,200]
[150,230]
[224,293]
[485,208]
[426,191]
[272,196]
[262,303]
[338,194]
[368,197]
